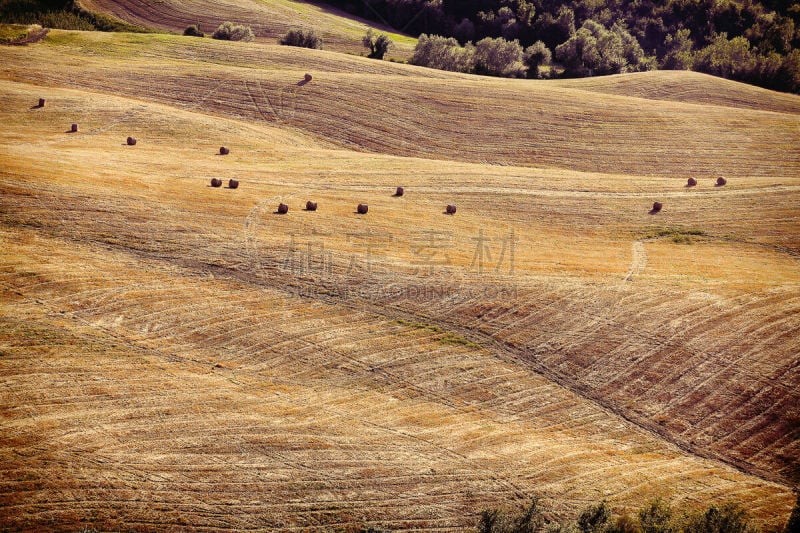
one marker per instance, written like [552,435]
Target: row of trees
[591,50]
[656,517]
[748,40]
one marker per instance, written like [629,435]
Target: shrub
[194,31]
[227,31]
[529,519]
[656,517]
[793,525]
[594,50]
[498,57]
[729,518]
[302,38]
[535,56]
[378,45]
[595,518]
[443,53]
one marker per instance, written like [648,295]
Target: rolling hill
[176,355]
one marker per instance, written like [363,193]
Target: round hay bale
[721,181]
[362,209]
[691,182]
[450,209]
[311,206]
[41,102]
[657,206]
[224,151]
[307,77]
[74,128]
[283,209]
[233,184]
[216,182]
[400,191]
[131,141]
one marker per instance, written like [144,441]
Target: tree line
[745,40]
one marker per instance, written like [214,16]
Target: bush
[302,38]
[529,519]
[498,57]
[730,518]
[443,53]
[194,31]
[594,50]
[227,31]
[535,56]
[656,517]
[595,518]
[378,45]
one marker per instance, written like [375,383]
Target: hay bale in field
[721,181]
[399,192]
[224,151]
[41,102]
[450,209]
[74,128]
[233,184]
[362,209]
[307,77]
[216,182]
[691,182]
[131,141]
[283,209]
[657,207]
[311,206]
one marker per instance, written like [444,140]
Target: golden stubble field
[179,356]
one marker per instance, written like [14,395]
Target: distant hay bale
[283,209]
[691,182]
[41,102]
[216,182]
[311,206]
[307,77]
[721,181]
[657,207]
[233,184]
[399,192]
[362,209]
[451,209]
[74,128]
[131,141]
[224,151]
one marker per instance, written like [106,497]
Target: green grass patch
[11,33]
[445,337]
[676,235]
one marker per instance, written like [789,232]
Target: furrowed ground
[179,356]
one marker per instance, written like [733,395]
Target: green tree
[443,53]
[679,54]
[193,31]
[729,518]
[498,57]
[228,31]
[378,45]
[728,58]
[656,517]
[535,56]
[301,38]
[595,518]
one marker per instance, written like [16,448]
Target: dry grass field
[177,356]
[269,19]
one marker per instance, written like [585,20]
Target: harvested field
[174,354]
